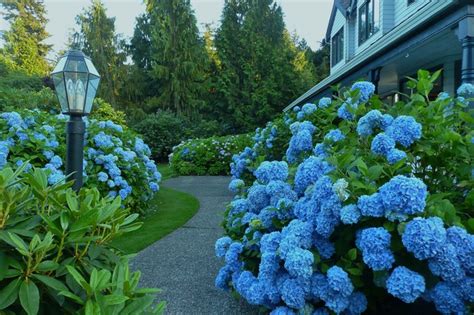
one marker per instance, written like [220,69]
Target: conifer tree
[177,56]
[105,49]
[24,41]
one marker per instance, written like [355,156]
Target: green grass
[166,171]
[169,210]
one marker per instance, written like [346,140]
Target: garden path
[183,263]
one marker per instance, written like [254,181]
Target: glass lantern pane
[75,65]
[60,65]
[60,88]
[91,67]
[91,91]
[76,84]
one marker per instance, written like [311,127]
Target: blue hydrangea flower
[270,242]
[154,186]
[325,248]
[292,294]
[446,300]
[324,102]
[257,198]
[236,185]
[357,304]
[382,144]
[466,90]
[102,177]
[344,113]
[282,310]
[300,142]
[404,130]
[375,246]
[320,149]
[103,140]
[405,284]
[223,277]
[339,281]
[269,171]
[334,135]
[371,206]
[232,255]
[309,108]
[299,263]
[405,195]
[464,246]
[296,109]
[366,90]
[309,171]
[395,155]
[368,122]
[446,264]
[222,245]
[350,214]
[424,237]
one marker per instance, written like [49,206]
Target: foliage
[55,251]
[116,160]
[103,111]
[164,130]
[261,66]
[177,55]
[210,156]
[105,48]
[24,41]
[369,205]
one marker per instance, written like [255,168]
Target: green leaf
[72,296]
[47,265]
[114,299]
[3,265]
[352,254]
[72,202]
[79,278]
[51,282]
[29,297]
[9,294]
[354,271]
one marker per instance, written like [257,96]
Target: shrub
[161,131]
[55,251]
[103,111]
[209,156]
[370,205]
[164,130]
[116,161]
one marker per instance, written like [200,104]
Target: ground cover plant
[55,250]
[116,161]
[366,208]
[210,156]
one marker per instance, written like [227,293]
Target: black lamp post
[76,81]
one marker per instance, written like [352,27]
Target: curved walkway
[183,263]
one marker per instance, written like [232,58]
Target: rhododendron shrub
[116,161]
[368,208]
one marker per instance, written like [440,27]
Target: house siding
[403,11]
[387,15]
[339,22]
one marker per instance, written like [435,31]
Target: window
[369,22]
[337,47]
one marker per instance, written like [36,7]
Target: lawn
[170,209]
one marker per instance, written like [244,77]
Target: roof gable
[343,6]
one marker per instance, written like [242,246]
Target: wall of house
[403,10]
[339,21]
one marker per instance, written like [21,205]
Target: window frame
[367,28]
[337,47]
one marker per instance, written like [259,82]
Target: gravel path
[183,263]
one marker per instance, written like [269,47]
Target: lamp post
[76,81]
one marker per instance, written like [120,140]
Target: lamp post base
[75,130]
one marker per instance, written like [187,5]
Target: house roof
[343,6]
[431,14]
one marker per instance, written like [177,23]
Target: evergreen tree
[177,55]
[24,41]
[262,68]
[105,48]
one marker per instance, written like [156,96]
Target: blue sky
[308,18]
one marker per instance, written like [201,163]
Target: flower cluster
[322,214]
[115,159]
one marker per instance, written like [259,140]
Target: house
[384,41]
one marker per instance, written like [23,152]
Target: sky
[308,18]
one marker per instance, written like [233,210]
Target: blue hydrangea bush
[368,208]
[209,156]
[116,160]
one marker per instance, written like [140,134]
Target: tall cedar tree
[177,57]
[105,48]
[24,41]
[262,68]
